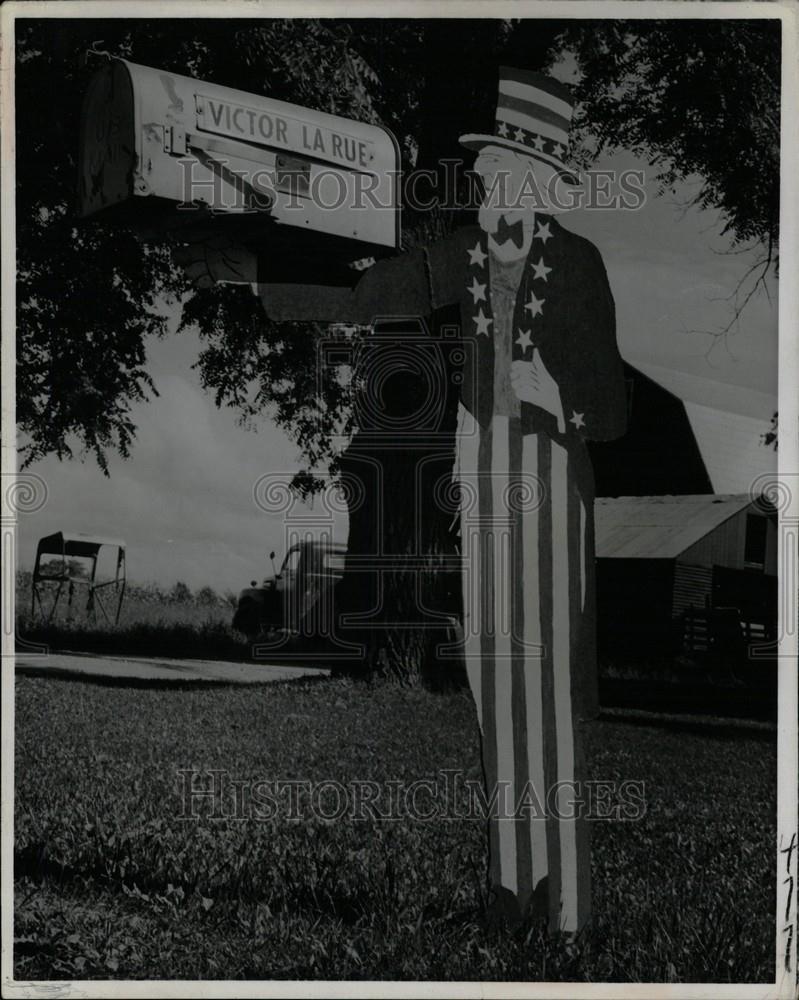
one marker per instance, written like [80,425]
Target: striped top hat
[534,114]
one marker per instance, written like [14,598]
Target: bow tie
[513,232]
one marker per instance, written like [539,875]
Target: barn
[685,434]
[691,573]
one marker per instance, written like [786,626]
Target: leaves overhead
[258,366]
[89,296]
[698,98]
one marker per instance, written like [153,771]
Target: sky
[184,501]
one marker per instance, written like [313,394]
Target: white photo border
[787,488]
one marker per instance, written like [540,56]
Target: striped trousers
[524,534]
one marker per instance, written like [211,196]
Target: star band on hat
[533,116]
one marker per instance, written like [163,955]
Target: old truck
[297,600]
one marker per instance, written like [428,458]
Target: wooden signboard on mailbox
[167,154]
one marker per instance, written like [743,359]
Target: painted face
[516,187]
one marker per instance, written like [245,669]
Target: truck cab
[298,599]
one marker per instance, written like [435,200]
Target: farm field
[154,621]
[112,882]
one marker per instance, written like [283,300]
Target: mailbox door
[107,156]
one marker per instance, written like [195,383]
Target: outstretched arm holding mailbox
[397,286]
[571,370]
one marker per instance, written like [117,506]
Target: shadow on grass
[746,701]
[702,725]
[160,683]
[207,641]
[169,641]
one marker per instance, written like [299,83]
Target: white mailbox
[167,153]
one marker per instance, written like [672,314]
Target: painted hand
[532,383]
[216,259]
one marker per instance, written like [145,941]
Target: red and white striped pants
[524,533]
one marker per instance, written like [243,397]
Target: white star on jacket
[577,419]
[524,339]
[542,232]
[540,270]
[535,305]
[477,255]
[483,322]
[478,291]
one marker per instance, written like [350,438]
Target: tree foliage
[89,296]
[180,593]
[698,98]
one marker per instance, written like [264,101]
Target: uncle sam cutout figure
[542,376]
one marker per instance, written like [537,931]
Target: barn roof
[659,527]
[726,397]
[727,420]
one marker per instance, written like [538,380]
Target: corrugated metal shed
[659,527]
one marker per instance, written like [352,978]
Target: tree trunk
[397,468]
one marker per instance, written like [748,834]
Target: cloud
[672,278]
[184,500]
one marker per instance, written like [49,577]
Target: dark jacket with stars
[565,305]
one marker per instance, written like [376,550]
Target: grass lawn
[112,883]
